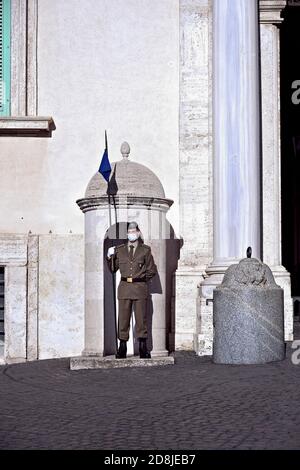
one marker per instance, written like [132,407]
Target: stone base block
[203,345]
[249,327]
[110,362]
[14,360]
[283,279]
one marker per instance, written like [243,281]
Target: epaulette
[147,246]
[120,246]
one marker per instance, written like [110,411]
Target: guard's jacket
[142,266]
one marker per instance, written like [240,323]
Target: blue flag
[105,168]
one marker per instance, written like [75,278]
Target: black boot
[144,353]
[122,350]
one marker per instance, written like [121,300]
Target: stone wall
[44,296]
[100,66]
[61,295]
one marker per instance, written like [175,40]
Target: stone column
[237,147]
[270,20]
[236,129]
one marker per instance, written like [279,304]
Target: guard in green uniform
[136,264]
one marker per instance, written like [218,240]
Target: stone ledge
[122,201]
[270,11]
[110,362]
[26,126]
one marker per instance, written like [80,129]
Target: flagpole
[114,278]
[105,170]
[108,192]
[112,258]
[109,211]
[113,281]
[114,296]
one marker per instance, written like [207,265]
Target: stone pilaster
[270,20]
[32,297]
[195,164]
[13,255]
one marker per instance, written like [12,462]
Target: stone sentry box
[248,315]
[139,196]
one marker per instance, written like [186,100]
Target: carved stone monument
[248,315]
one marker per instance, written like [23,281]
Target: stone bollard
[248,315]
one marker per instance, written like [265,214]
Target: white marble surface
[95,227]
[13,255]
[269,34]
[61,292]
[15,313]
[32,296]
[236,128]
[13,249]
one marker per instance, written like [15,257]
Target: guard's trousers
[125,309]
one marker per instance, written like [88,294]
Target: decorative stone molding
[27,126]
[32,27]
[270,11]
[13,250]
[13,255]
[32,297]
[18,57]
[23,57]
[24,103]
[89,204]
[293,3]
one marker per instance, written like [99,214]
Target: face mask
[132,237]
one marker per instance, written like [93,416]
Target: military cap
[132,225]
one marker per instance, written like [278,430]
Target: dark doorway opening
[290,145]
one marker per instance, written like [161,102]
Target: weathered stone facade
[135,78]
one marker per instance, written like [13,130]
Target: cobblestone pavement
[194,404]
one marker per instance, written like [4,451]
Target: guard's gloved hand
[110,251]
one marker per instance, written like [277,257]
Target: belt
[131,279]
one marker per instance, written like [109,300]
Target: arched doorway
[117,235]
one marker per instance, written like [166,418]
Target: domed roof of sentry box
[131,179]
